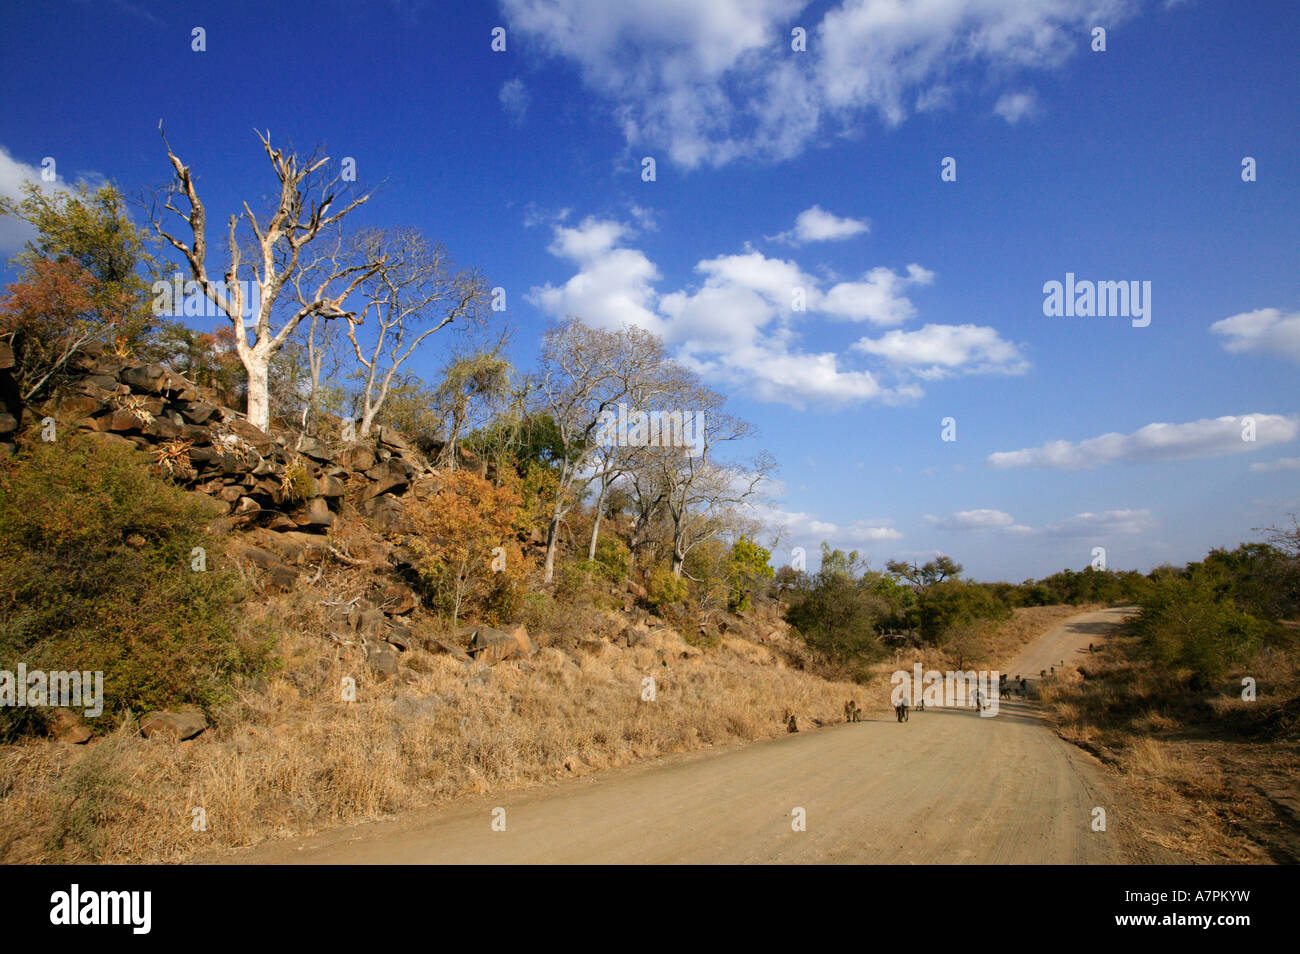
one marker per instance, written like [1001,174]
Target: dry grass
[294,758]
[290,757]
[1211,776]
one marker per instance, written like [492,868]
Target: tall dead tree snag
[248,292]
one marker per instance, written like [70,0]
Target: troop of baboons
[852,711]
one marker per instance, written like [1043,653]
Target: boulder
[197,412]
[492,645]
[399,636]
[398,599]
[314,513]
[330,486]
[79,405]
[356,457]
[519,633]
[382,658]
[177,726]
[387,513]
[69,727]
[144,377]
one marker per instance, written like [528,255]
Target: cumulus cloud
[1013,107]
[742,322]
[815,224]
[937,351]
[1208,437]
[514,100]
[613,286]
[1266,330]
[878,297]
[713,82]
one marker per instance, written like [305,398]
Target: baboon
[1042,674]
[1053,670]
[852,711]
[1004,691]
[1091,649]
[900,711]
[792,726]
[857,711]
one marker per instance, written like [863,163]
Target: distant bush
[663,589]
[1191,630]
[95,574]
[747,572]
[613,558]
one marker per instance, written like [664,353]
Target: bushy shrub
[464,541]
[664,588]
[747,571]
[1189,629]
[613,558]
[96,575]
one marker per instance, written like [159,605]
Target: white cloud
[1281,464]
[741,323]
[938,350]
[815,224]
[1014,107]
[1110,523]
[613,286]
[713,82]
[1080,525]
[1208,437]
[14,232]
[973,520]
[878,297]
[808,530]
[514,100]
[1265,329]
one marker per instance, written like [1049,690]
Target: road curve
[945,787]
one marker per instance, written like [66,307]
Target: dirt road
[946,787]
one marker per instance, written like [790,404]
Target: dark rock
[399,636]
[398,599]
[387,513]
[382,658]
[314,513]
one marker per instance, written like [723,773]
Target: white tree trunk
[259,390]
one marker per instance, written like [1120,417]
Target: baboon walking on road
[852,711]
[900,711]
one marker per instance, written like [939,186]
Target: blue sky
[817,170]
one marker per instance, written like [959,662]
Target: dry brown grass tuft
[1210,775]
[292,757]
